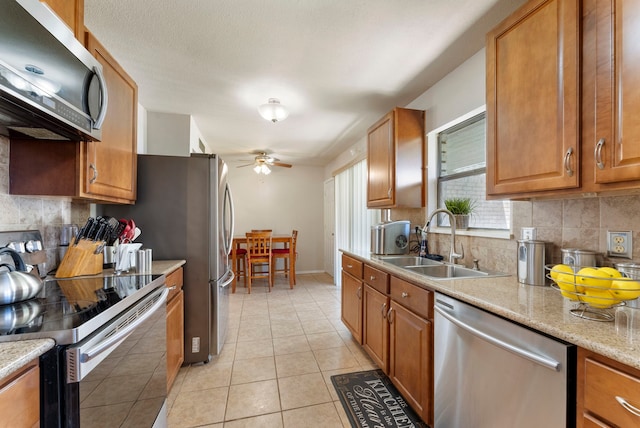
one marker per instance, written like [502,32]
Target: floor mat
[370,400]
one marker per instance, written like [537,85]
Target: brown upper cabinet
[532,99]
[71,12]
[102,171]
[396,160]
[110,172]
[563,92]
[613,60]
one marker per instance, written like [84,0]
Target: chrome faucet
[425,229]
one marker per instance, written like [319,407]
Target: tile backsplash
[566,223]
[46,214]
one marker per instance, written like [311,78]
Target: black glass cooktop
[68,310]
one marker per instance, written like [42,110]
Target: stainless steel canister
[577,258]
[141,261]
[532,257]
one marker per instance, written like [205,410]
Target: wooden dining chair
[258,253]
[288,256]
[241,263]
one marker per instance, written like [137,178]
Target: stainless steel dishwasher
[494,373]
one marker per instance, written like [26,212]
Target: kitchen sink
[444,271]
[404,261]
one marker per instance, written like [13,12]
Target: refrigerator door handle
[228,241]
[229,280]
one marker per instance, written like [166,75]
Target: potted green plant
[461,208]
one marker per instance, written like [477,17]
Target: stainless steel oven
[108,367]
[115,377]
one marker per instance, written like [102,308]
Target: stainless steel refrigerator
[184,208]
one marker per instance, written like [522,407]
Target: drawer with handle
[412,297]
[352,266]
[174,282]
[611,394]
[376,279]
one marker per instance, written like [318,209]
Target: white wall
[284,200]
[456,94]
[173,134]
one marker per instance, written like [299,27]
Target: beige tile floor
[274,370]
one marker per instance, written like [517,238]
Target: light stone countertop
[541,308]
[15,355]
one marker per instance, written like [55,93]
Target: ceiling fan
[263,162]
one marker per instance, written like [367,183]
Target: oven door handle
[538,359]
[125,332]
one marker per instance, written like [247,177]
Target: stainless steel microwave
[51,87]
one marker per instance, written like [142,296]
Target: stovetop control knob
[18,247]
[33,246]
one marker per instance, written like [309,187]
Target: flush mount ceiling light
[262,169]
[273,110]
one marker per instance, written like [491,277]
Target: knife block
[81,259]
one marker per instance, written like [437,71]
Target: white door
[329,226]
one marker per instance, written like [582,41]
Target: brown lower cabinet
[20,397]
[393,321]
[411,359]
[175,325]
[608,392]
[351,311]
[375,334]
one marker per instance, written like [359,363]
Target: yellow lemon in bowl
[625,289]
[598,298]
[592,278]
[611,272]
[567,285]
[560,269]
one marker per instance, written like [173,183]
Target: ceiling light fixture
[262,169]
[273,110]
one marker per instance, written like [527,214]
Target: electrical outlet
[619,244]
[528,233]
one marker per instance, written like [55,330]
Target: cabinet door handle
[372,278]
[350,266]
[628,407]
[404,294]
[383,309]
[95,173]
[567,161]
[359,292]
[173,287]
[389,193]
[597,154]
[389,317]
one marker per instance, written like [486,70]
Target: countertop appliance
[490,372]
[185,211]
[533,255]
[51,87]
[390,237]
[103,328]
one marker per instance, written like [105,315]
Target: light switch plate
[529,233]
[619,244]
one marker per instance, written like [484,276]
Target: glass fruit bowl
[593,289]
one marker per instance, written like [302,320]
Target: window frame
[433,175]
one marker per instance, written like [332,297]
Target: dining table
[241,240]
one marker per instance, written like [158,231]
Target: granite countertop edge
[541,308]
[15,355]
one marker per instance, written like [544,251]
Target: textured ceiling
[338,65]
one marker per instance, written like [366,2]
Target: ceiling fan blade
[285,165]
